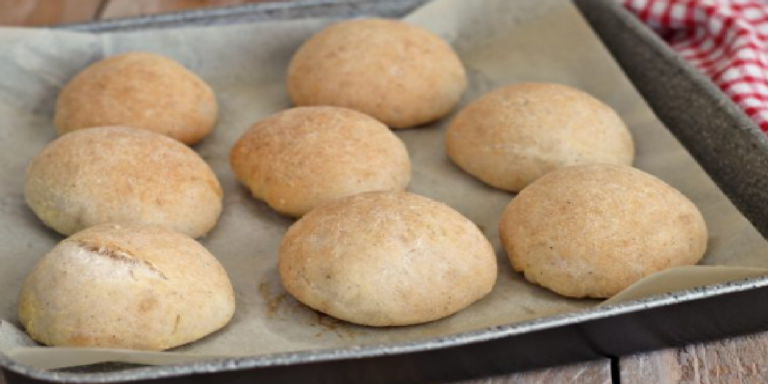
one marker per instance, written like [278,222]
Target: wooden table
[738,360]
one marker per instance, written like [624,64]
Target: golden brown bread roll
[512,136]
[593,230]
[124,176]
[386,259]
[401,74]
[132,287]
[300,158]
[140,90]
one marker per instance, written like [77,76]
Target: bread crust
[401,74]
[124,176]
[140,90]
[134,287]
[386,259]
[303,157]
[593,230]
[512,136]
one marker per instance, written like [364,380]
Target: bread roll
[593,230]
[132,287]
[140,90]
[386,259]
[303,157]
[124,176]
[400,74]
[512,136]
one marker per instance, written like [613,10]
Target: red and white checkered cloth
[725,39]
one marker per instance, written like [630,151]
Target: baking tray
[721,138]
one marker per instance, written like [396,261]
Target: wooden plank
[592,372]
[46,12]
[129,8]
[654,367]
[738,360]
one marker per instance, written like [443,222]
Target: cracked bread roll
[512,136]
[594,230]
[401,74]
[123,176]
[386,259]
[134,287]
[300,158]
[141,90]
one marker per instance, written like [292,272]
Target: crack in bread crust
[119,255]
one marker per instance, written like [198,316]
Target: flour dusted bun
[132,287]
[386,259]
[300,158]
[512,136]
[401,74]
[123,176]
[593,230]
[140,90]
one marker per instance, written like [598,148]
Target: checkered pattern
[725,39]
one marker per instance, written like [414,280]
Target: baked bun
[593,230]
[386,259]
[123,176]
[512,136]
[300,158]
[140,90]
[132,287]
[401,74]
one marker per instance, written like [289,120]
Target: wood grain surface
[35,13]
[47,12]
[592,372]
[737,360]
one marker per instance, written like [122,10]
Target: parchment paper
[500,42]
